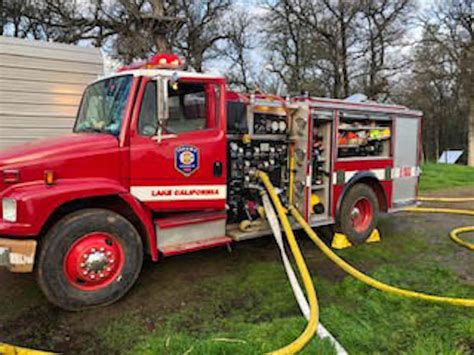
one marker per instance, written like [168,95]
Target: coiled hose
[454,234]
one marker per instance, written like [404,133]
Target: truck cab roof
[167,73]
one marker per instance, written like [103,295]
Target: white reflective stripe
[409,171]
[395,173]
[295,285]
[405,171]
[379,173]
[349,175]
[179,193]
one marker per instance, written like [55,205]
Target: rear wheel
[358,215]
[89,258]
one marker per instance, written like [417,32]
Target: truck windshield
[103,105]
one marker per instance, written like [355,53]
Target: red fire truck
[162,162]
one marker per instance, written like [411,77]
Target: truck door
[406,159]
[183,167]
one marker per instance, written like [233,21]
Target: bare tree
[383,25]
[441,80]
[201,30]
[288,40]
[344,13]
[320,35]
[449,28]
[138,28]
[241,39]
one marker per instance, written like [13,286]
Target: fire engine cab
[163,161]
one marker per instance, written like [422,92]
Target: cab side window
[148,120]
[188,108]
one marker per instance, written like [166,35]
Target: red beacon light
[158,61]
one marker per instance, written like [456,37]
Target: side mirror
[162,105]
[174,81]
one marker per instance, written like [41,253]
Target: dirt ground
[27,319]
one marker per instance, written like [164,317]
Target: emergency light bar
[158,61]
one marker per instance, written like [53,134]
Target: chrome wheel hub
[95,262]
[355,213]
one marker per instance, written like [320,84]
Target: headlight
[9,209]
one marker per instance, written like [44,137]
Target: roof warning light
[158,61]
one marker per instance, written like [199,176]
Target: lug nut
[85,273]
[92,277]
[93,250]
[109,269]
[83,265]
[109,253]
[102,249]
[85,256]
[111,261]
[101,276]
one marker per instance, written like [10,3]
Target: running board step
[185,232]
[177,249]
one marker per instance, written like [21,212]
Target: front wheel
[358,215]
[89,258]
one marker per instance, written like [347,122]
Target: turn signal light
[11,176]
[49,177]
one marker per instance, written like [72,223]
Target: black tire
[346,224]
[51,270]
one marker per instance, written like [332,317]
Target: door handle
[163,137]
[217,169]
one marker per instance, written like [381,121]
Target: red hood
[53,148]
[70,156]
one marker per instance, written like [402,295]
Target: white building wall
[40,87]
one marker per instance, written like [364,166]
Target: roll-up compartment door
[406,170]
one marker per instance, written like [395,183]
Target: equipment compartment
[258,140]
[364,136]
[321,151]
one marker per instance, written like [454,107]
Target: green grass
[255,314]
[442,176]
[253,311]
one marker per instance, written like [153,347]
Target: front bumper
[17,255]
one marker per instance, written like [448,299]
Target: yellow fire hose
[6,349]
[310,330]
[466,302]
[445,199]
[454,234]
[312,325]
